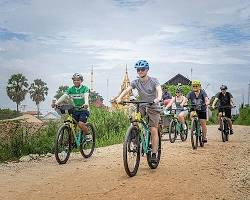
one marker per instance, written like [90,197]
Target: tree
[17,88]
[38,90]
[93,96]
[61,91]
[171,89]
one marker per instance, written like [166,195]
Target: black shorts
[202,114]
[227,112]
[81,115]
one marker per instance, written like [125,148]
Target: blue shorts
[81,115]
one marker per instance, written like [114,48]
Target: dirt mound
[28,118]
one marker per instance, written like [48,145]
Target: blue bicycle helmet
[141,64]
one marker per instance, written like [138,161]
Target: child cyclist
[80,95]
[149,89]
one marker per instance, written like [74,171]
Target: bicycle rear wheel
[184,133]
[87,145]
[194,134]
[131,151]
[63,144]
[158,155]
[172,131]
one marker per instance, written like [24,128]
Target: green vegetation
[8,114]
[244,116]
[38,90]
[17,89]
[171,89]
[110,128]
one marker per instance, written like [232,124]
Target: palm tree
[38,90]
[17,88]
[61,91]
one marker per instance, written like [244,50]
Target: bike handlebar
[222,107]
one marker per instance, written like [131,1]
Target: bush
[22,143]
[110,126]
[244,116]
[8,114]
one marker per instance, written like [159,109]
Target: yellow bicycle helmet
[196,82]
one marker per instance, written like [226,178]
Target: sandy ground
[217,171]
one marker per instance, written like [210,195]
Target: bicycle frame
[140,123]
[73,125]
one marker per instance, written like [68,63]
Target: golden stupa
[124,85]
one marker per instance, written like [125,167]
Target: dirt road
[218,171]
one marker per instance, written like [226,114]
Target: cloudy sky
[52,39]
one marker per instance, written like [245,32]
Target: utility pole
[248,98]
[191,73]
[92,80]
[107,89]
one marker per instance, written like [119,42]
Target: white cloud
[173,36]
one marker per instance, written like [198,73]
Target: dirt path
[219,171]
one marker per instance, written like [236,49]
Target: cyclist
[80,95]
[199,97]
[149,89]
[166,97]
[225,100]
[179,101]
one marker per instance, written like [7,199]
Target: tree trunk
[38,111]
[17,107]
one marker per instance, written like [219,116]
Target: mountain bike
[176,127]
[70,136]
[224,126]
[196,131]
[137,141]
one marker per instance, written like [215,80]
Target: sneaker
[204,140]
[88,138]
[219,128]
[154,159]
[231,132]
[184,127]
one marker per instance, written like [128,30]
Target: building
[51,115]
[178,79]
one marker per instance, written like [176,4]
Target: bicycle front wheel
[149,154]
[194,134]
[131,151]
[224,130]
[172,131]
[184,133]
[63,144]
[87,145]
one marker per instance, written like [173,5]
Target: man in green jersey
[80,95]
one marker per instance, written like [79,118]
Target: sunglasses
[141,69]
[195,86]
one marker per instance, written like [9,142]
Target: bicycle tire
[184,133]
[150,164]
[194,135]
[201,140]
[224,130]
[59,139]
[131,138]
[172,131]
[83,144]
